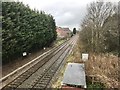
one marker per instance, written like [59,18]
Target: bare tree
[98,13]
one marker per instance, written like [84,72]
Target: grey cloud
[66,14]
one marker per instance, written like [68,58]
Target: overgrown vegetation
[104,68]
[24,30]
[99,36]
[99,30]
[94,86]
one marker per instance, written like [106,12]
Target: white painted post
[85,56]
[44,48]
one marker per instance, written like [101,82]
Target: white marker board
[24,53]
[85,56]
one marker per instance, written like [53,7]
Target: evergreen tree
[24,29]
[74,30]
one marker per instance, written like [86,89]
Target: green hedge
[24,29]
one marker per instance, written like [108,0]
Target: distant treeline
[24,30]
[100,31]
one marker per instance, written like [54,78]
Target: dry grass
[104,67]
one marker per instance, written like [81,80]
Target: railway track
[27,70]
[40,73]
[45,79]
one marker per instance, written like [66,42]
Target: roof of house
[66,29]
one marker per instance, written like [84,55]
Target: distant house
[63,32]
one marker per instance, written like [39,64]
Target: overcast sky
[67,13]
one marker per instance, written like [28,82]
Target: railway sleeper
[48,76]
[19,80]
[40,86]
[24,75]
[12,86]
[41,82]
[9,88]
[51,71]
[44,80]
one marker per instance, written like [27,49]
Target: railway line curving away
[39,73]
